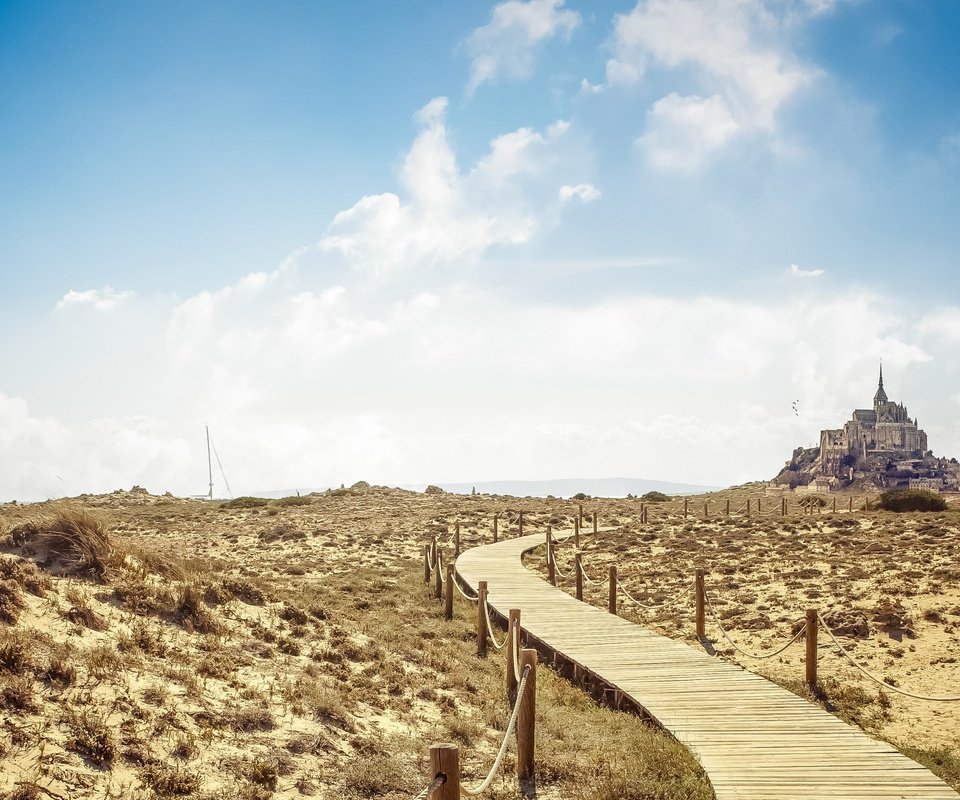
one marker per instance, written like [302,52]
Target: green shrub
[912,500]
[655,497]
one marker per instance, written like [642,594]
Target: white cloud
[584,192]
[683,132]
[794,271]
[737,49]
[943,324]
[103,299]
[448,215]
[506,46]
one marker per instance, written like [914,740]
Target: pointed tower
[881,396]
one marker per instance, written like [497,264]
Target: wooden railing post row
[448,594]
[437,578]
[612,600]
[456,541]
[527,718]
[578,574]
[481,618]
[551,565]
[445,760]
[810,634]
[496,519]
[426,563]
[513,622]
[700,604]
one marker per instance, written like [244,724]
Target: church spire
[880,396]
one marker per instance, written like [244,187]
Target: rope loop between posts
[654,606]
[511,726]
[881,681]
[586,577]
[557,569]
[486,613]
[456,584]
[428,791]
[735,646]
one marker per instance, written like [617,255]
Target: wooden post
[705,507]
[448,596]
[445,760]
[834,505]
[686,503]
[612,602]
[513,621]
[866,503]
[482,618]
[851,502]
[700,595]
[594,520]
[578,574]
[576,533]
[437,579]
[527,718]
[783,506]
[758,506]
[646,516]
[521,523]
[496,519]
[748,506]
[580,513]
[426,563]
[726,510]
[551,566]
[456,541]
[810,634]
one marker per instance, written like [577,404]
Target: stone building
[885,428]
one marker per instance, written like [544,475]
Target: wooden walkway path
[754,739]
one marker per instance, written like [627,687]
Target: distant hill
[562,487]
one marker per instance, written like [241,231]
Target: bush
[245,502]
[655,497]
[900,500]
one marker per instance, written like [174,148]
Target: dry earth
[289,648]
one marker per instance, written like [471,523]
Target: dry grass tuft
[71,542]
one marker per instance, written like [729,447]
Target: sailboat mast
[209,462]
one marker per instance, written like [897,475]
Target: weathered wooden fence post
[438,577]
[580,513]
[551,564]
[445,760]
[700,600]
[448,594]
[527,718]
[513,629]
[482,618]
[783,506]
[748,506]
[834,505]
[705,509]
[686,504]
[521,524]
[496,519]
[612,601]
[578,569]
[576,533]
[594,520]
[456,541]
[759,510]
[810,634]
[726,510]
[426,563]
[851,502]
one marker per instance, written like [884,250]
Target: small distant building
[885,427]
[930,484]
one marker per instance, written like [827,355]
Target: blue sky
[469,241]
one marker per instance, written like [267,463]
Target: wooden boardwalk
[754,739]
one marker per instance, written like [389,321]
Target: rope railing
[511,725]
[877,679]
[738,648]
[463,594]
[493,639]
[427,793]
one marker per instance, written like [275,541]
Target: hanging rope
[654,606]
[511,725]
[427,793]
[876,679]
[735,646]
[486,613]
[456,583]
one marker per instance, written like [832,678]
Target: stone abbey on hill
[878,447]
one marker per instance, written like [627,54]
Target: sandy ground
[308,660]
